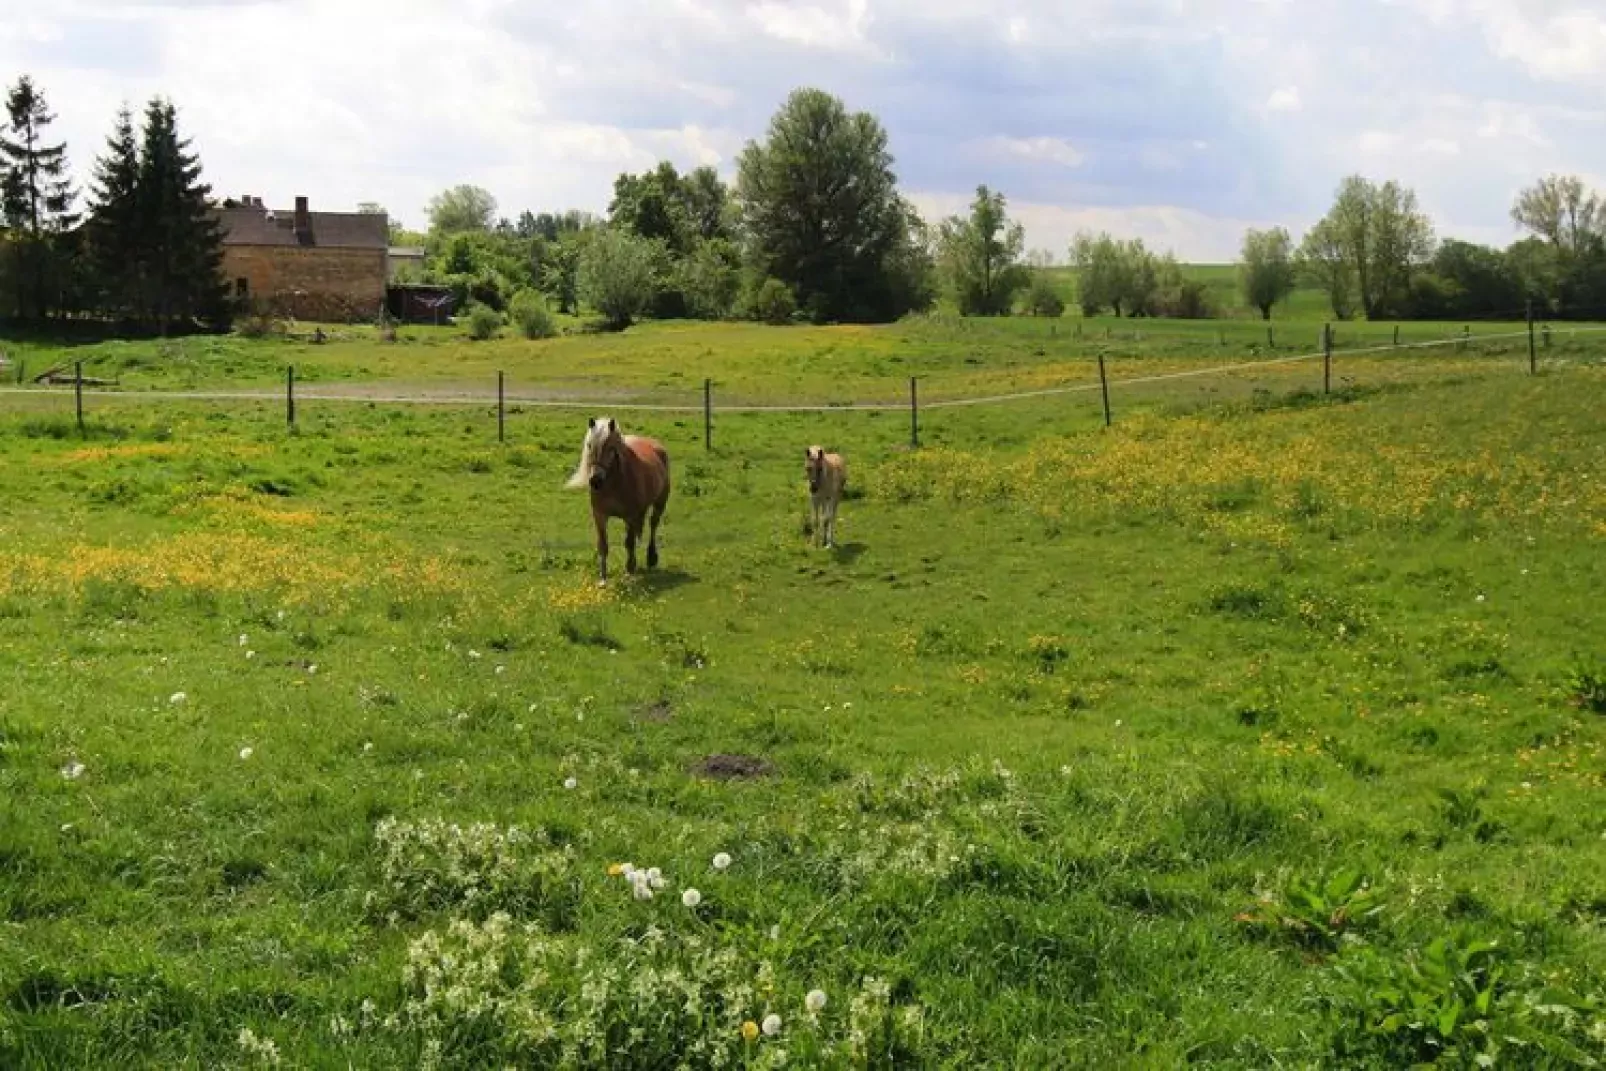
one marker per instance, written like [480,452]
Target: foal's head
[599,453]
[814,466]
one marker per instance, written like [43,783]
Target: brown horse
[628,476]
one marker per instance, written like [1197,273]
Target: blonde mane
[598,433]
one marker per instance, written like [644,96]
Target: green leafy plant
[1459,1002]
[1318,914]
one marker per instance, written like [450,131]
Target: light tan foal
[828,477]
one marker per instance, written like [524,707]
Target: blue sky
[1179,122]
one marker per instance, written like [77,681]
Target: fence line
[710,406]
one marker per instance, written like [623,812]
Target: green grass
[1070,744]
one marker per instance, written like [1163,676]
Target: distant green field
[1263,729]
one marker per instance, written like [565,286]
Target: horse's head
[814,466]
[599,453]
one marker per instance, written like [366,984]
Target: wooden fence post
[1327,358]
[1104,389]
[78,394]
[1396,336]
[501,407]
[914,415]
[1533,358]
[290,397]
[708,414]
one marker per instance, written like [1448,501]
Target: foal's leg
[830,523]
[652,535]
[601,520]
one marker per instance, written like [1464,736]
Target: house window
[242,286]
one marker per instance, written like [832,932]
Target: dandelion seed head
[772,1024]
[73,770]
[246,753]
[691,897]
[815,1001]
[722,861]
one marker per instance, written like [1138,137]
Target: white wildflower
[250,655]
[246,753]
[368,745]
[73,770]
[571,782]
[771,1024]
[639,886]
[312,669]
[473,654]
[1480,598]
[177,698]
[244,639]
[655,878]
[691,897]
[722,861]
[815,1001]
[500,670]
[775,932]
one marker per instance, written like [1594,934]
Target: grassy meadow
[1261,729]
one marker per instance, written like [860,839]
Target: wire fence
[294,394]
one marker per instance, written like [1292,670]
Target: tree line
[144,251]
[814,227]
[1375,255]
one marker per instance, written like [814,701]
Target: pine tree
[36,196]
[116,251]
[180,230]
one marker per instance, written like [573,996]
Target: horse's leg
[632,533]
[601,520]
[830,523]
[652,534]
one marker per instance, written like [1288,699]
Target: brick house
[330,266]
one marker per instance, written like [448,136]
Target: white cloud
[1040,149]
[1285,99]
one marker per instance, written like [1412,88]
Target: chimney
[303,220]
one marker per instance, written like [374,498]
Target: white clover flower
[1480,598]
[640,888]
[244,639]
[655,878]
[368,745]
[73,770]
[775,932]
[815,1001]
[312,669]
[177,698]
[691,897]
[246,753]
[628,870]
[500,670]
[771,1024]
[473,654]
[722,861]
[250,655]
[571,782]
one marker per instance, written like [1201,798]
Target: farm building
[310,265]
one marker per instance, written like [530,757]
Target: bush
[616,276]
[1042,299]
[531,315]
[484,323]
[774,303]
